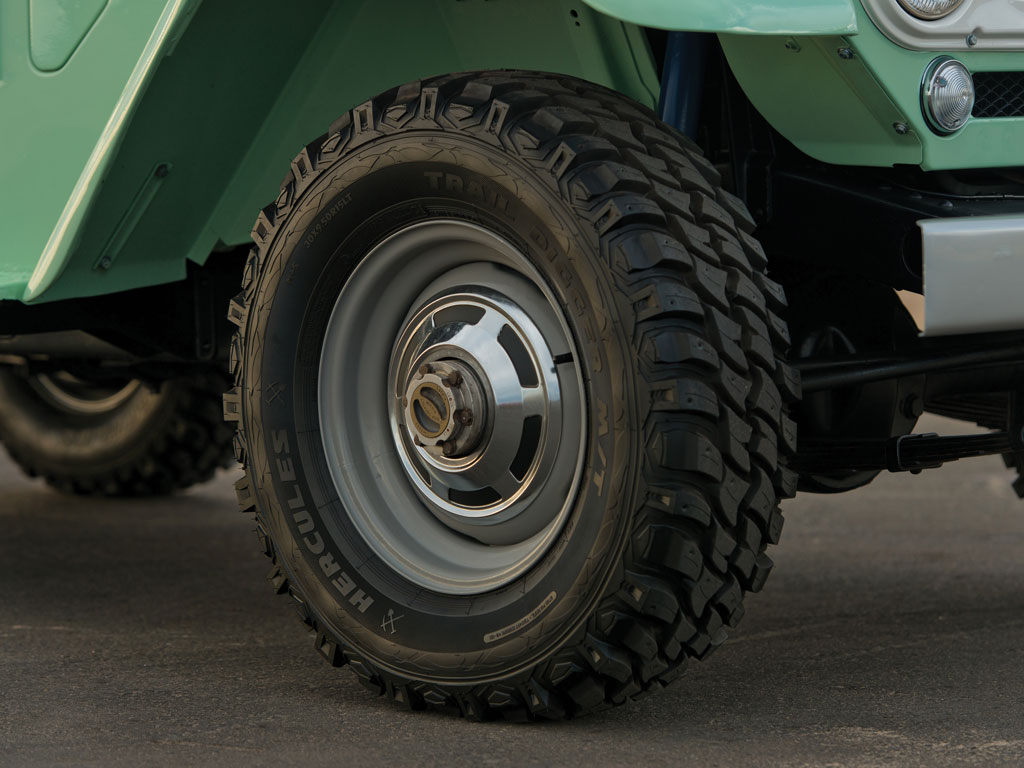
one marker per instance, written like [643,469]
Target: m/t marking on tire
[491,637]
[312,540]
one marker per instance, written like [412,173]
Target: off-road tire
[159,440]
[687,392]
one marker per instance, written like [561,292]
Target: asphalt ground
[890,633]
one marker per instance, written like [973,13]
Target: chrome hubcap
[471,419]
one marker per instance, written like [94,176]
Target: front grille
[999,94]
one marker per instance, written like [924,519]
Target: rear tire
[672,333]
[124,439]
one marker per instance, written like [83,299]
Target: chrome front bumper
[973,274]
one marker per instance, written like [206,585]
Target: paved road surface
[891,633]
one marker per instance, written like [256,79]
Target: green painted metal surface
[831,108]
[844,110]
[173,121]
[757,17]
[60,131]
[982,143]
[244,91]
[57,27]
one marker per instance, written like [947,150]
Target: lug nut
[448,447]
[425,369]
[454,379]
[465,416]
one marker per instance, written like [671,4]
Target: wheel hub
[445,410]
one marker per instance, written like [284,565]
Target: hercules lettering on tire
[510,396]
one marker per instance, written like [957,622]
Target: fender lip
[62,238]
[781,17]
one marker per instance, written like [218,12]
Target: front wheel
[508,387]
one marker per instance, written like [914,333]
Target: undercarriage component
[907,453]
[975,378]
[827,325]
[867,375]
[76,345]
[178,322]
[969,354]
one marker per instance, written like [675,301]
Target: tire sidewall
[332,223]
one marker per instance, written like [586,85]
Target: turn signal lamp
[947,95]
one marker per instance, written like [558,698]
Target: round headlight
[930,9]
[947,94]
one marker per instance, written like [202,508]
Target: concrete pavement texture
[143,633]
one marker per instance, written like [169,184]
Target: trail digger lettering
[306,525]
[452,182]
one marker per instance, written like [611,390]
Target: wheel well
[242,91]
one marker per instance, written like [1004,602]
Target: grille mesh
[999,94]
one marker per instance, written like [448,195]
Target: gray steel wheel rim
[374,346]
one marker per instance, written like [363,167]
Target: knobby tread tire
[713,392]
[179,442]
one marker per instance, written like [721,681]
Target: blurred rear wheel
[114,437]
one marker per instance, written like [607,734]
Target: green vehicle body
[143,134]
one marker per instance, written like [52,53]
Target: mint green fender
[138,135]
[755,17]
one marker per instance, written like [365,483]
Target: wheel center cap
[430,411]
[445,409]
